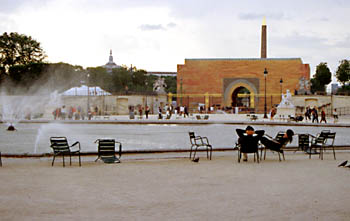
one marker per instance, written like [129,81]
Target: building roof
[242,59]
[82,91]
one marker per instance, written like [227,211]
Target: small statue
[159,86]
[286,100]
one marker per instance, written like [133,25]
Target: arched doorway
[241,86]
[241,97]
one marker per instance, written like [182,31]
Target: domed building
[110,65]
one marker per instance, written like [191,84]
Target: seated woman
[248,140]
[276,145]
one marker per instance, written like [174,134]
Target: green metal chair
[197,142]
[60,146]
[106,150]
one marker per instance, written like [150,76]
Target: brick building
[239,82]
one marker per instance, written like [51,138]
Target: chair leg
[63,160]
[257,156]
[79,160]
[279,156]
[211,151]
[283,156]
[53,160]
[194,152]
[254,157]
[239,156]
[191,152]
[332,146]
[310,149]
[265,154]
[0,160]
[70,159]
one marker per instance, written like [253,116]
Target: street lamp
[146,83]
[281,82]
[181,91]
[265,75]
[88,95]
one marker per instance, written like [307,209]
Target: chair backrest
[192,136]
[198,117]
[106,148]
[206,117]
[279,136]
[320,138]
[303,141]
[59,144]
[330,137]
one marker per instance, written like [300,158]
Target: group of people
[312,112]
[249,138]
[168,110]
[72,113]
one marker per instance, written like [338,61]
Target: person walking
[323,116]
[314,114]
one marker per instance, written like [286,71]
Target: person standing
[307,114]
[160,116]
[314,115]
[140,111]
[323,116]
[335,115]
[147,111]
[273,113]
[186,111]
[63,112]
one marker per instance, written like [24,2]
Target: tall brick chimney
[263,40]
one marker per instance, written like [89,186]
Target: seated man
[276,145]
[249,140]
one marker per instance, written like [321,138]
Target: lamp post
[88,96]
[146,83]
[281,82]
[265,110]
[181,91]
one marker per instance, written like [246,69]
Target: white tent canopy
[83,91]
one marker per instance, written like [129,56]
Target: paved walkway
[177,189]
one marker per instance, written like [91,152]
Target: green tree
[343,72]
[33,77]
[171,84]
[18,49]
[22,78]
[62,76]
[321,78]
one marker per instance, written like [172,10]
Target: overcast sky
[156,35]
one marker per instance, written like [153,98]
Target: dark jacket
[249,143]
